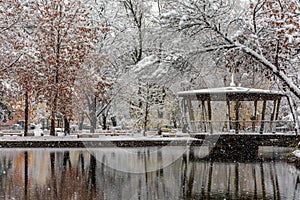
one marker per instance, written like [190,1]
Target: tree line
[95,59]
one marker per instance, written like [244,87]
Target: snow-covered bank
[99,138]
[103,141]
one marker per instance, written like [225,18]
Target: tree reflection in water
[80,174]
[26,175]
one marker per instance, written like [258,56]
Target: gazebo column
[237,123]
[209,115]
[277,112]
[273,116]
[254,119]
[191,114]
[277,109]
[204,115]
[263,117]
[229,115]
[294,113]
[184,109]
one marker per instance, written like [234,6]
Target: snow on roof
[223,90]
[231,93]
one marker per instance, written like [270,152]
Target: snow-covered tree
[65,37]
[11,16]
[125,45]
[148,96]
[91,87]
[18,73]
[216,22]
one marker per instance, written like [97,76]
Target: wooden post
[294,113]
[204,116]
[237,123]
[184,116]
[277,112]
[183,104]
[209,115]
[229,115]
[255,118]
[273,116]
[277,109]
[191,114]
[263,117]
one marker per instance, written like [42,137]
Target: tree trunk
[52,124]
[104,126]
[174,122]
[67,126]
[80,125]
[147,107]
[146,118]
[114,121]
[140,48]
[26,114]
[93,115]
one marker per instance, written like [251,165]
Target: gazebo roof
[231,94]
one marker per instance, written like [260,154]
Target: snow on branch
[280,74]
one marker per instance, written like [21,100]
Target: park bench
[11,133]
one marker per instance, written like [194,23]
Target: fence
[242,126]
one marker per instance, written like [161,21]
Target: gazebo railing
[242,126]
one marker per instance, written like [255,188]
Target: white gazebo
[235,109]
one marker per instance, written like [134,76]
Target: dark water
[143,173]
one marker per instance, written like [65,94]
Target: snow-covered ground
[296,153]
[100,138]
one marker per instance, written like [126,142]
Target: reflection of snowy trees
[152,173]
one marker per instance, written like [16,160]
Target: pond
[144,173]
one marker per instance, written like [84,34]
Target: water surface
[143,173]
